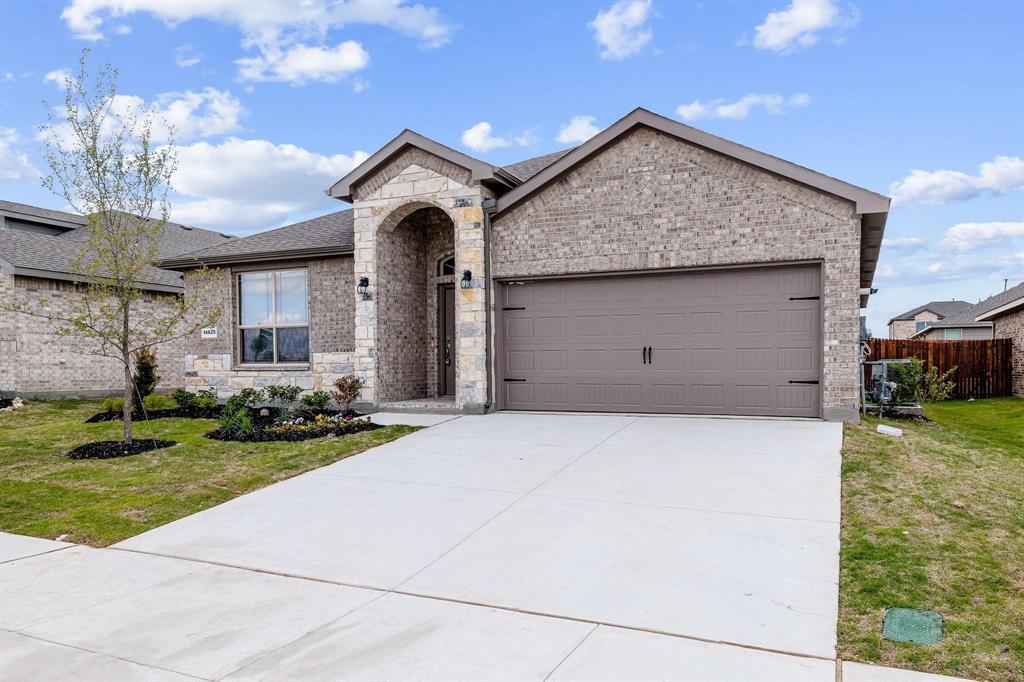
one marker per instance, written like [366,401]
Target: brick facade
[649,201]
[653,201]
[1011,326]
[212,363]
[36,361]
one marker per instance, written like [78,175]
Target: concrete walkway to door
[508,546]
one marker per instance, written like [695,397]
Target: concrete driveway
[509,546]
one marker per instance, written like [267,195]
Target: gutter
[198,261]
[489,206]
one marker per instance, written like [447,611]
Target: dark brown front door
[446,341]
[733,341]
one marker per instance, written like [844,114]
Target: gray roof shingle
[941,308]
[43,255]
[326,234]
[527,168]
[967,316]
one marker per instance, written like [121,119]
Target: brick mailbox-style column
[417,180]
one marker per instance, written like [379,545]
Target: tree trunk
[129,394]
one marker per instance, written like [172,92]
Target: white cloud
[299,64]
[8,76]
[242,185]
[579,129]
[622,30]
[58,77]
[288,36]
[122,29]
[14,163]
[192,115]
[800,25]
[966,237]
[1001,174]
[903,242]
[186,56]
[772,103]
[479,138]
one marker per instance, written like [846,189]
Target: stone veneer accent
[210,363]
[653,201]
[412,181]
[35,361]
[1012,326]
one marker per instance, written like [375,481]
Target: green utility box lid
[912,625]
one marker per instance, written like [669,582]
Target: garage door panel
[723,342]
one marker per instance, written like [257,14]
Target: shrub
[155,401]
[282,397]
[347,390]
[145,377]
[935,386]
[184,399]
[908,381]
[317,400]
[112,404]
[206,398]
[235,419]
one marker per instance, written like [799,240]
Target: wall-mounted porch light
[467,280]
[363,288]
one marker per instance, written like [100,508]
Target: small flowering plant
[321,422]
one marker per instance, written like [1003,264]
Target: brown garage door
[733,341]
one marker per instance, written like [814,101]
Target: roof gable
[480,171]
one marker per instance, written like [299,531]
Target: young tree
[105,163]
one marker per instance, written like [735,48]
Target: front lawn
[98,502]
[935,520]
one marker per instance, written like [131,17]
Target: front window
[273,317]
[918,326]
[954,334]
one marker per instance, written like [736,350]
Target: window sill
[302,367]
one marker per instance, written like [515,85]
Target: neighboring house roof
[43,215]
[31,254]
[941,308]
[1001,304]
[50,256]
[981,314]
[327,235]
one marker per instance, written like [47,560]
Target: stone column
[364,362]
[471,305]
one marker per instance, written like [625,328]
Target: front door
[446,341]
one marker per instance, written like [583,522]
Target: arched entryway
[415,305]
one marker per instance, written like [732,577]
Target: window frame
[442,262]
[946,334]
[273,326]
[921,325]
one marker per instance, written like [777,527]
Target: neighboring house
[654,268]
[37,246]
[1006,312]
[918,319]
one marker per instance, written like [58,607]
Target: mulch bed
[109,449]
[264,433]
[190,413]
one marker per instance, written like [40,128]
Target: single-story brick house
[37,246]
[918,320]
[1006,312]
[654,268]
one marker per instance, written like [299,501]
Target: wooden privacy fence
[984,368]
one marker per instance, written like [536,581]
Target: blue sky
[271,101]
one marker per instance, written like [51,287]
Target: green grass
[935,520]
[98,502]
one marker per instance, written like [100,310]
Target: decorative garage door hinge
[514,380]
[805,298]
[519,308]
[812,381]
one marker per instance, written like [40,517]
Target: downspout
[488,205]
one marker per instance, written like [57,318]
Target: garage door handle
[803,382]
[643,354]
